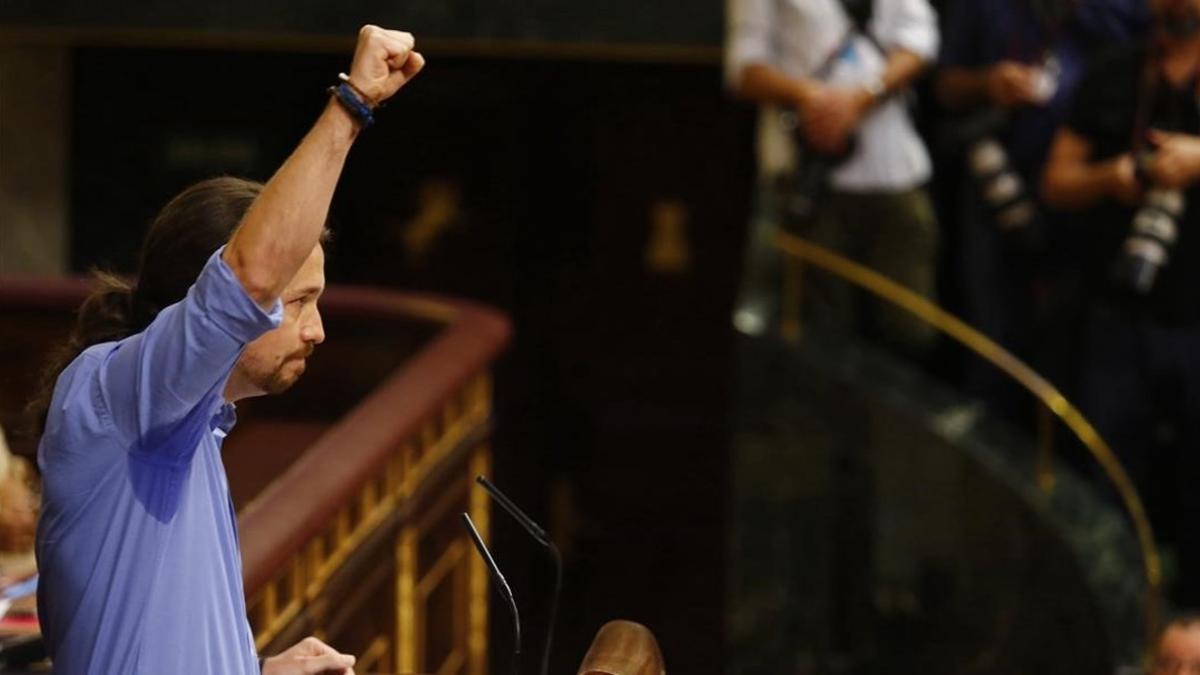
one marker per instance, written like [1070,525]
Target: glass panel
[887,522]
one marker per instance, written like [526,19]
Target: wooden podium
[623,648]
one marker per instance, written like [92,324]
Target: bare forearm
[1077,185]
[902,69]
[766,84]
[285,223]
[959,88]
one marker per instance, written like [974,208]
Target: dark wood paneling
[615,21]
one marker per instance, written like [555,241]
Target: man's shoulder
[88,361]
[78,384]
[1106,98]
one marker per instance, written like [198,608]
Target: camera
[802,189]
[1004,192]
[1147,249]
[1001,186]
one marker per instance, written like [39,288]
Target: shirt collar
[224,417]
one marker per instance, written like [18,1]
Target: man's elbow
[737,89]
[738,82]
[943,91]
[1054,189]
[260,285]
[949,88]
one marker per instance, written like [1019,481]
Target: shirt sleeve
[910,25]
[1104,104]
[749,36]
[155,380]
[1101,24]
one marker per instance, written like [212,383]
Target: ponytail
[106,315]
[179,242]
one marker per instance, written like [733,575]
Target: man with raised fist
[137,543]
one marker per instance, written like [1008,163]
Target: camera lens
[1147,249]
[1001,186]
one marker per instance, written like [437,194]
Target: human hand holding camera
[1175,162]
[1124,183]
[1011,84]
[831,115]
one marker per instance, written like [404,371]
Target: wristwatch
[876,88]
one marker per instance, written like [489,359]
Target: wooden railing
[364,524]
[357,540]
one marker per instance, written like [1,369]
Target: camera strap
[1050,16]
[859,13]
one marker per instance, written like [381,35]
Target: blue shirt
[980,33]
[137,542]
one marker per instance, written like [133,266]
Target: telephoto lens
[1008,201]
[1147,249]
[1002,187]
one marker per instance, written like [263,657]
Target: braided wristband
[352,103]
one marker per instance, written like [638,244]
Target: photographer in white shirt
[845,84]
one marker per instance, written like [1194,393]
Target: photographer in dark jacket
[1008,70]
[1128,163]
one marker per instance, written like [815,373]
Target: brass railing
[799,252]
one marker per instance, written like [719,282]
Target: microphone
[515,511]
[540,535]
[501,585]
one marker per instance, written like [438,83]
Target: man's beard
[277,382]
[281,379]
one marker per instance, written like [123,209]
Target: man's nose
[313,330]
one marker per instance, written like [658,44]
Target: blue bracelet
[351,102]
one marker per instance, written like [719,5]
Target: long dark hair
[178,244]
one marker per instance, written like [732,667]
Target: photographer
[836,68]
[1008,70]
[1128,163]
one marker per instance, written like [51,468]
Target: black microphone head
[515,511]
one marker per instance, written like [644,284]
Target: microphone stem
[558,578]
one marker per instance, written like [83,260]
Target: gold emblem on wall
[439,209]
[668,251]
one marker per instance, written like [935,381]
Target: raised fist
[384,61]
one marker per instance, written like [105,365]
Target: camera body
[800,191]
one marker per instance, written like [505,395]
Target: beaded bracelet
[349,99]
[362,95]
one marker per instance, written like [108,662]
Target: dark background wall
[613,21]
